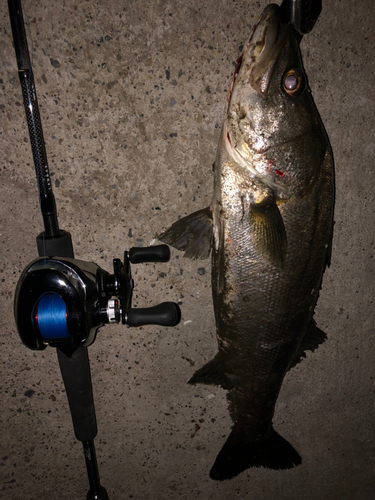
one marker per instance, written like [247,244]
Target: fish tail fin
[240,453]
[193,234]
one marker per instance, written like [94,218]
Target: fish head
[272,127]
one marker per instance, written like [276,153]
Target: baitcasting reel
[62,302]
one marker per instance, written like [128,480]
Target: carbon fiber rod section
[46,197]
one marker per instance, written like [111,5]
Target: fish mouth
[250,84]
[260,53]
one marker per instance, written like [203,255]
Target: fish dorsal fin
[268,231]
[192,233]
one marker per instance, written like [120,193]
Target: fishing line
[50,317]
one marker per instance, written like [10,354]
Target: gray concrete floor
[132,97]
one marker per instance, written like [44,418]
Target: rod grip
[75,370]
[59,245]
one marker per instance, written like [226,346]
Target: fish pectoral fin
[268,231]
[193,233]
[212,373]
[314,336]
[240,453]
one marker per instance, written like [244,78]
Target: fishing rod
[61,301]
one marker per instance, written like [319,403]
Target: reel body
[37,306]
[62,302]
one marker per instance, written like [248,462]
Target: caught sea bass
[270,230]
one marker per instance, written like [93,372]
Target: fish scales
[270,230]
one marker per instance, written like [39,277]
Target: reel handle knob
[158,253]
[164,314]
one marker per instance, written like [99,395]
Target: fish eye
[293,82]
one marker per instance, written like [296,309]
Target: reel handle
[164,314]
[158,253]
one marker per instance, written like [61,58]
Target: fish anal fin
[313,338]
[192,233]
[240,453]
[268,231]
[212,373]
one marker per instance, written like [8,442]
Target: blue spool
[50,316]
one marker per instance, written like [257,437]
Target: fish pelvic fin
[268,231]
[239,453]
[212,373]
[193,233]
[313,338]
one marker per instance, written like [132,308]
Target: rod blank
[25,73]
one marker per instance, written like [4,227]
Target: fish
[269,231]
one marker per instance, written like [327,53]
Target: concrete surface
[132,97]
